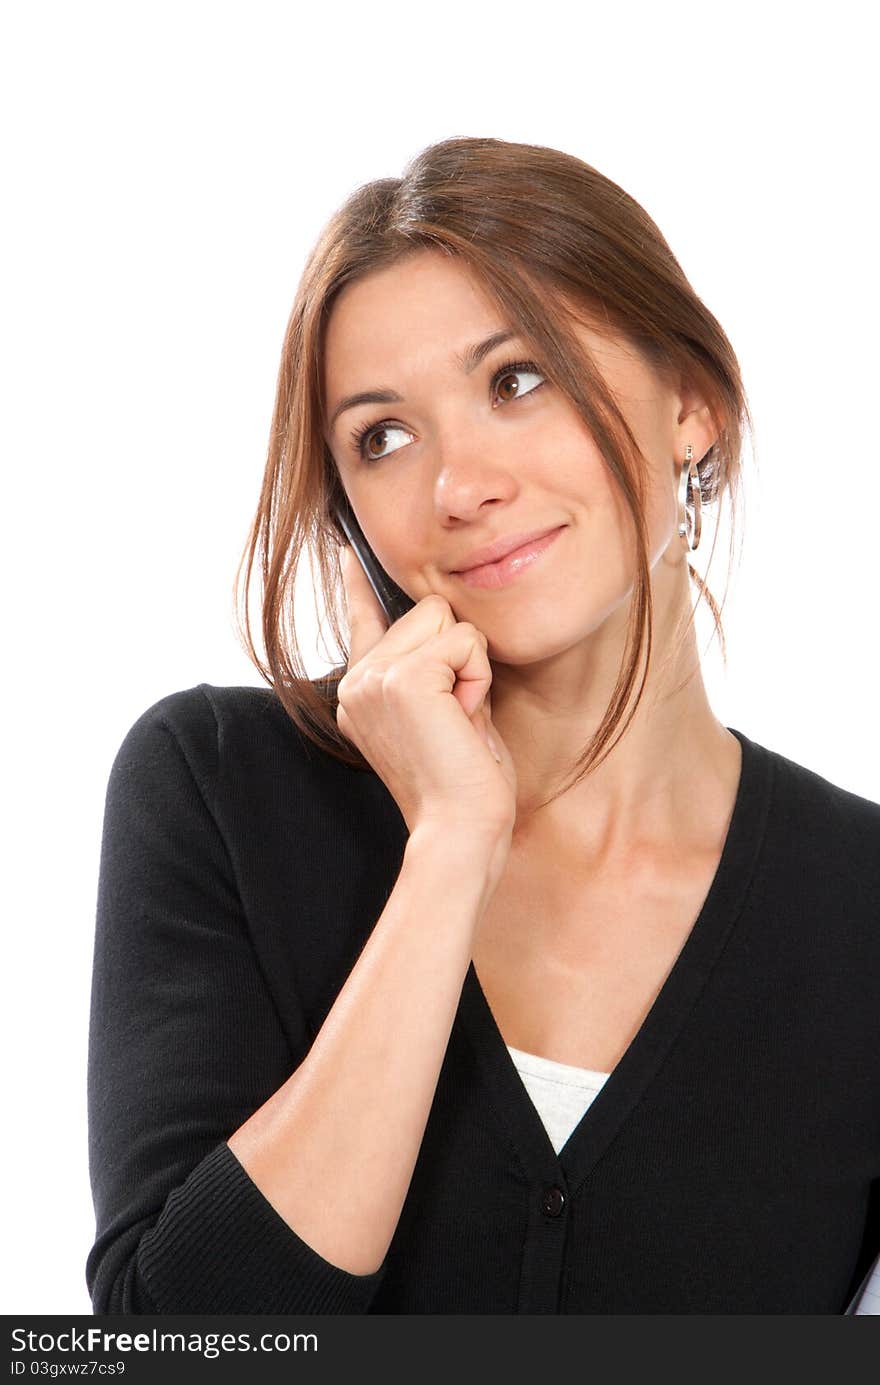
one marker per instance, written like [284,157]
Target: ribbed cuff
[220,1247]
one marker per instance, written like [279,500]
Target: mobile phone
[391,598]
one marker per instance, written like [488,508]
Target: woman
[491,974]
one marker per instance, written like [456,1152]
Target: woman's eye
[365,439]
[507,372]
[371,436]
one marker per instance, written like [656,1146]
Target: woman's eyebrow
[468,360]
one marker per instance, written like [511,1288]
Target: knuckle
[475,632]
[372,673]
[437,604]
[348,686]
[392,677]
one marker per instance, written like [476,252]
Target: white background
[166,169]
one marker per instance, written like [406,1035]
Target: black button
[552,1202]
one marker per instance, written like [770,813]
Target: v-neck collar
[661,1026]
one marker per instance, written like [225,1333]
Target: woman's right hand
[415,701]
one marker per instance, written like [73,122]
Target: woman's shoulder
[207,709]
[203,703]
[825,826]
[805,786]
[234,732]
[196,718]
[259,775]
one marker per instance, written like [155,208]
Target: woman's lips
[507,568]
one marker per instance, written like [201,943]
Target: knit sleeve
[185,1044]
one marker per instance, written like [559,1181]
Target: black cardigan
[730,1164]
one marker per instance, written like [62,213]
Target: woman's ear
[694,422]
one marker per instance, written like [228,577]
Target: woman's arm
[334,1149]
[187,1052]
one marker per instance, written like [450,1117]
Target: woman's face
[458,461]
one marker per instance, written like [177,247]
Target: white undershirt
[560,1092]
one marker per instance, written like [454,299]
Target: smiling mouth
[506,569]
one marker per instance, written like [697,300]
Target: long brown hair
[550,238]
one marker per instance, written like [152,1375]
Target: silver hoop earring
[690,473]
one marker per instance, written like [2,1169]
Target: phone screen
[392,599]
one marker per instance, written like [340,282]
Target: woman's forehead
[422,313]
